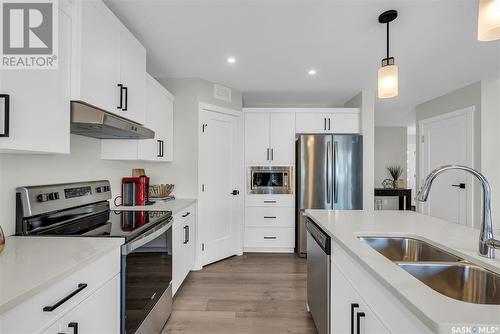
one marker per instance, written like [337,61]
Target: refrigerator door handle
[335,161]
[328,172]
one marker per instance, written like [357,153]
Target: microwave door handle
[145,238]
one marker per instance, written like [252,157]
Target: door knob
[235,192]
[460,185]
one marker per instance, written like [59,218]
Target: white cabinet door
[39,102]
[133,78]
[178,257]
[56,328]
[348,309]
[97,59]
[257,127]
[343,122]
[168,135]
[282,132]
[310,122]
[98,314]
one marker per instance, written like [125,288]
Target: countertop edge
[12,303]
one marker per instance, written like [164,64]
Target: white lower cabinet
[350,314]
[90,297]
[183,243]
[98,314]
[355,293]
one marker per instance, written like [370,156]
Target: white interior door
[220,170]
[448,140]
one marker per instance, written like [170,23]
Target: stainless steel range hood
[90,121]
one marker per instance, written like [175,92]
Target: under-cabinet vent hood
[87,120]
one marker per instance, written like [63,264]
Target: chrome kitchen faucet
[487,243]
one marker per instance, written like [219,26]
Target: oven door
[270,180]
[146,281]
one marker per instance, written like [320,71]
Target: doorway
[220,170]
[444,140]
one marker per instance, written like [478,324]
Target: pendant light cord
[387,40]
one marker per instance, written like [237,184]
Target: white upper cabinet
[39,100]
[109,64]
[257,127]
[269,138]
[341,120]
[159,117]
[282,138]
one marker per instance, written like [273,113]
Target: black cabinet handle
[353,306]
[74,325]
[120,86]
[160,149]
[269,201]
[460,185]
[329,124]
[186,214]
[270,238]
[186,234]
[126,98]
[269,217]
[359,315]
[81,286]
[6,98]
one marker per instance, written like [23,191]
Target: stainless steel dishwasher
[318,276]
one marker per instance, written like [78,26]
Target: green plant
[395,171]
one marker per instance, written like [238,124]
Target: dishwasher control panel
[322,239]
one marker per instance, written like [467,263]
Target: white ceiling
[276,42]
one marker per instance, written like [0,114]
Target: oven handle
[146,237]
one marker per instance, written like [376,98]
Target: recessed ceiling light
[312,72]
[231,60]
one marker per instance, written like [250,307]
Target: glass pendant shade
[489,20]
[388,81]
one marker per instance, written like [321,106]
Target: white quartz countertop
[28,265]
[174,206]
[435,310]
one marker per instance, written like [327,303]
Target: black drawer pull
[269,201]
[269,217]
[126,98]
[353,306]
[81,286]
[270,238]
[74,325]
[6,98]
[185,215]
[359,315]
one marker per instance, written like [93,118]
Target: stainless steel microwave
[270,180]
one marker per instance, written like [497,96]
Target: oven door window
[147,274]
[268,179]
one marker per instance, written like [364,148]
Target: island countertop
[436,311]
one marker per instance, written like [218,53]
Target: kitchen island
[390,298]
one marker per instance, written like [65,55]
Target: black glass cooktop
[124,224]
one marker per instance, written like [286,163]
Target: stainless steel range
[82,210]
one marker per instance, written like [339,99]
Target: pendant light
[388,73]
[488,20]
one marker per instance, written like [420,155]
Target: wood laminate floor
[253,293]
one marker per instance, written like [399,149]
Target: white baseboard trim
[268,250]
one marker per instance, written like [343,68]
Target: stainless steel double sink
[440,270]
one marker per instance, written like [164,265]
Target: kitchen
[233,129]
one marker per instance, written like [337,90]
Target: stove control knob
[56,195]
[42,198]
[99,189]
[51,196]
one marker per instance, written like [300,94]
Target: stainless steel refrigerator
[329,176]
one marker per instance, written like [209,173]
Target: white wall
[490,142]
[84,163]
[189,92]
[365,100]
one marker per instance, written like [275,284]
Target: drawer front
[269,217]
[29,317]
[270,200]
[267,237]
[182,216]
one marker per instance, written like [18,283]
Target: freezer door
[348,172]
[315,172]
